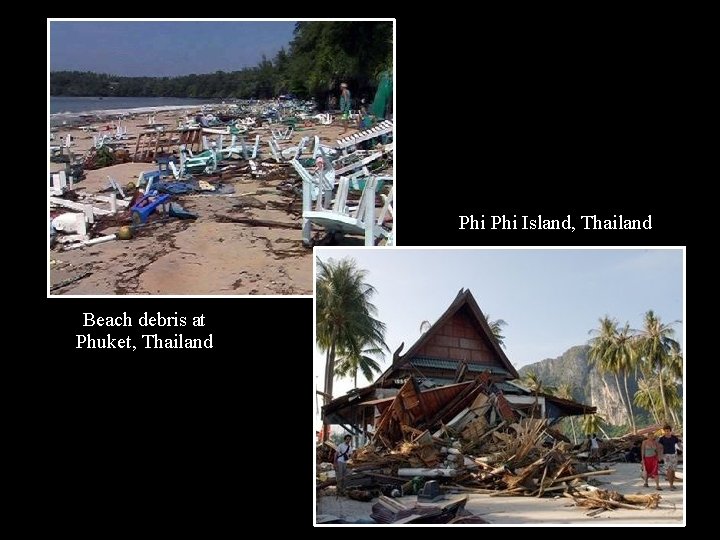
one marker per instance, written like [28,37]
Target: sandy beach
[206,256]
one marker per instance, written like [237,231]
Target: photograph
[208,157]
[503,386]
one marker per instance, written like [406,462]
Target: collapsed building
[448,417]
[456,378]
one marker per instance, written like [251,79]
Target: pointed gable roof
[464,299]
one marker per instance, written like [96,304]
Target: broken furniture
[146,205]
[383,128]
[336,216]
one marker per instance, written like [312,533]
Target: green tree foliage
[593,423]
[321,55]
[350,363]
[612,352]
[535,384]
[496,329]
[658,351]
[345,315]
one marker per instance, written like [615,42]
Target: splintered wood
[466,437]
[608,500]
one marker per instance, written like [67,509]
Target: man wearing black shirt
[668,441]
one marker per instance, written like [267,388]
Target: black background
[495,117]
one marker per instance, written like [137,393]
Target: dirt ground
[207,256]
[534,511]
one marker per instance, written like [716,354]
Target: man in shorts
[669,442]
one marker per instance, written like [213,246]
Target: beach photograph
[496,387]
[208,157]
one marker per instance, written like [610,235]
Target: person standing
[344,451]
[594,448]
[669,444]
[344,105]
[651,452]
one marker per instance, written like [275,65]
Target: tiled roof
[438,363]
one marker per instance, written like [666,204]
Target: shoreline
[68,117]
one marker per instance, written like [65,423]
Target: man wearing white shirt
[344,451]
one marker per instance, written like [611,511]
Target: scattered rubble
[464,438]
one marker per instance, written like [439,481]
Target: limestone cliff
[588,386]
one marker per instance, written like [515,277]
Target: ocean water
[63,104]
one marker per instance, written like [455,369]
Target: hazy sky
[164,48]
[549,298]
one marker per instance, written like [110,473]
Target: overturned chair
[335,216]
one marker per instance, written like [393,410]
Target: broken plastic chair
[282,135]
[146,205]
[324,119]
[293,152]
[320,186]
[58,183]
[320,147]
[205,162]
[354,161]
[340,218]
[116,186]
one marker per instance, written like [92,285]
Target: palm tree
[565,391]
[649,396]
[592,423]
[654,344]
[535,385]
[604,354]
[644,398]
[345,315]
[496,329]
[350,364]
[675,362]
[625,362]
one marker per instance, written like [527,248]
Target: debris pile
[607,500]
[466,438]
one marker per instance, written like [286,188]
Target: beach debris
[609,500]
[388,510]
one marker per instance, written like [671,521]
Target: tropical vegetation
[320,56]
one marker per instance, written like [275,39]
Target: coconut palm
[625,362]
[592,423]
[345,315]
[535,385]
[654,344]
[349,364]
[644,398]
[496,329]
[675,362]
[605,355]
[649,396]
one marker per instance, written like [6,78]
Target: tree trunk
[355,377]
[627,394]
[653,408]
[329,377]
[622,399]
[572,425]
[666,413]
[676,420]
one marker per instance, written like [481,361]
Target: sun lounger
[384,127]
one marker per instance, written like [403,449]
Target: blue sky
[164,48]
[550,298]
